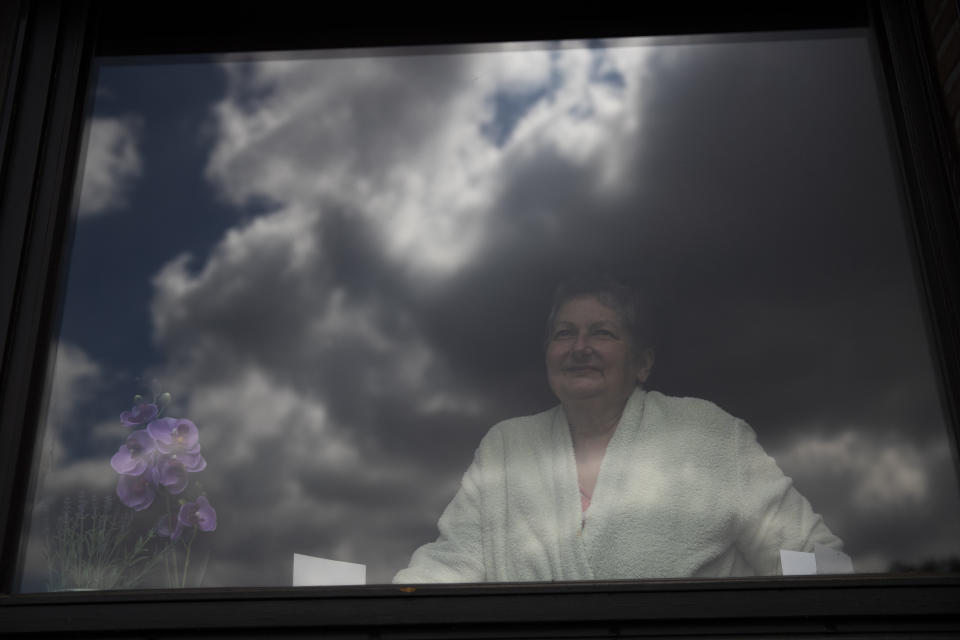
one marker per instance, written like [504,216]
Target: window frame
[47,49]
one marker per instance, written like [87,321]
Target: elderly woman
[616,482]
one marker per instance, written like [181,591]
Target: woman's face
[589,354]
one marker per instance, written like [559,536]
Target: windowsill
[850,602]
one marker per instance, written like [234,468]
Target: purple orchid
[193,462]
[158,457]
[135,455]
[170,527]
[175,435]
[198,514]
[171,470]
[139,414]
[137,492]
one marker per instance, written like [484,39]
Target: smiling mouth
[580,369]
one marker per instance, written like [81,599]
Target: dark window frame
[46,53]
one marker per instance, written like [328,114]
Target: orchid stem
[186,562]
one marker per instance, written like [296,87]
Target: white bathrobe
[684,490]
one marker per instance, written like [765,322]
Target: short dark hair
[626,300]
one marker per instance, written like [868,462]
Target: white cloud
[888,496]
[76,377]
[111,165]
[584,118]
[878,475]
[74,373]
[404,141]
[91,475]
[243,414]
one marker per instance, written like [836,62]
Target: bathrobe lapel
[567,496]
[585,539]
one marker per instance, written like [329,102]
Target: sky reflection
[340,268]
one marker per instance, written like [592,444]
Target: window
[272,194]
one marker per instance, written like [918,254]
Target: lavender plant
[92,546]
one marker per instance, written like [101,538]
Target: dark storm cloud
[760,213]
[111,164]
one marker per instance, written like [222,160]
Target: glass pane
[327,276]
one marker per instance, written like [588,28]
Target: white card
[831,560]
[312,571]
[798,563]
